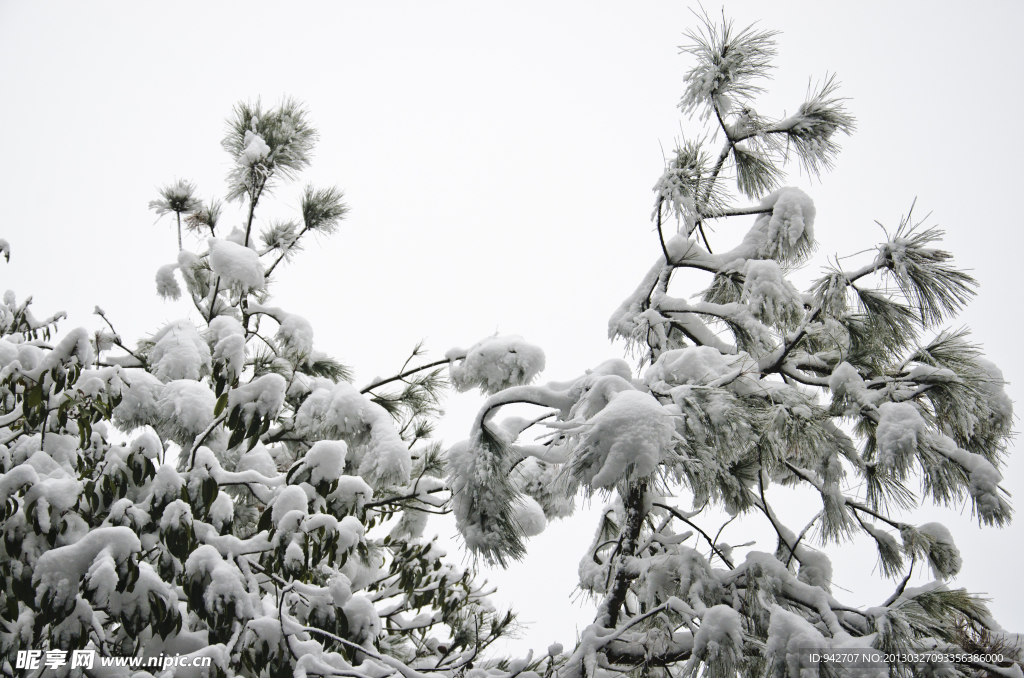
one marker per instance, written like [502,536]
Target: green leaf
[266,520]
[34,396]
[342,623]
[254,426]
[210,491]
[222,402]
[233,417]
[237,436]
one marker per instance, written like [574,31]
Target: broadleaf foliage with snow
[265,512]
[261,511]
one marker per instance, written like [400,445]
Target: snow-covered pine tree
[221,490]
[853,389]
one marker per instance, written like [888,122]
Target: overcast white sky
[498,160]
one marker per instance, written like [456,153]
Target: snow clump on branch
[692,365]
[138,400]
[719,641]
[999,402]
[294,333]
[983,481]
[624,441]
[530,516]
[227,338]
[263,397]
[179,352]
[790,638]
[255,149]
[375,447]
[787,233]
[325,461]
[772,298]
[483,500]
[239,267]
[900,427]
[943,555]
[166,285]
[184,409]
[495,363]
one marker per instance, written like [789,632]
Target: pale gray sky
[498,160]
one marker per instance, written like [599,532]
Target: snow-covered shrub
[238,520]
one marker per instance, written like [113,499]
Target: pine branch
[284,255]
[711,542]
[800,537]
[608,613]
[902,586]
[736,212]
[201,438]
[924,275]
[848,501]
[755,173]
[403,375]
[722,157]
[661,235]
[117,340]
[728,61]
[213,301]
[773,362]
